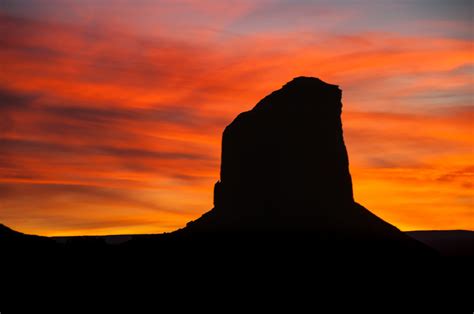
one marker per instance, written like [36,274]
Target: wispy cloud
[113,125]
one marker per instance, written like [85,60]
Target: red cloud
[142,117]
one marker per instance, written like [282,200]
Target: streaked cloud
[112,125]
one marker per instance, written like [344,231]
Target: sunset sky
[111,112]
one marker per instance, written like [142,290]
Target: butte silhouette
[285,178]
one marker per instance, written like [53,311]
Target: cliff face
[284,164]
[285,169]
[286,153]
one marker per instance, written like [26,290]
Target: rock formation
[285,187]
[285,170]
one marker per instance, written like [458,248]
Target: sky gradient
[111,115]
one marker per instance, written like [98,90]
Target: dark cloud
[465,174]
[103,114]
[370,141]
[387,162]
[34,147]
[89,114]
[142,153]
[15,29]
[24,145]
[30,50]
[93,194]
[443,96]
[10,99]
[188,178]
[100,112]
[466,69]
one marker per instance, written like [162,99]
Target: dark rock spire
[288,152]
[285,170]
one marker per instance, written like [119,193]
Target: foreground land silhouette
[285,186]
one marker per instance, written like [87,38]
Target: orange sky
[111,118]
